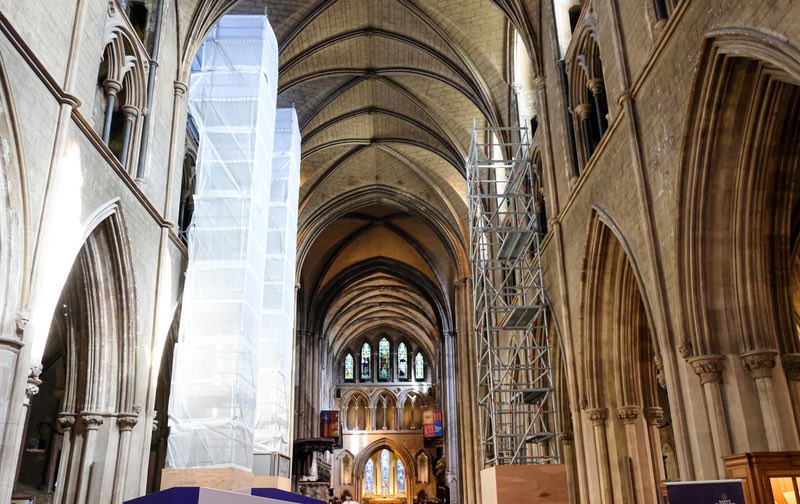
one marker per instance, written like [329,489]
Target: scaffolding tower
[515,384]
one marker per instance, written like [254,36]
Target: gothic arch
[394,447]
[619,351]
[737,231]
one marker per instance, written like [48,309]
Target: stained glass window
[419,367]
[384,360]
[348,368]
[386,471]
[366,358]
[369,477]
[402,362]
[401,478]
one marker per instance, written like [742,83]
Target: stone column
[596,88]
[598,418]
[129,113]
[568,455]
[583,111]
[760,363]
[110,88]
[639,451]
[709,369]
[65,424]
[453,475]
[125,422]
[91,423]
[653,415]
[791,368]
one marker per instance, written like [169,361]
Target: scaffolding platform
[515,384]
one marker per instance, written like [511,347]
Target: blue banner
[706,492]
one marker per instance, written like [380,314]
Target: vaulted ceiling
[386,92]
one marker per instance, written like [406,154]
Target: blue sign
[706,492]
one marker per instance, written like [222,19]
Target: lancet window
[384,360]
[349,365]
[366,362]
[419,367]
[369,477]
[401,477]
[402,362]
[386,471]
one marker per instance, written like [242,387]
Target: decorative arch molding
[612,281]
[741,71]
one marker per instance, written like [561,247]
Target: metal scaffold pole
[515,382]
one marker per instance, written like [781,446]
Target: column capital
[91,421]
[65,422]
[595,86]
[566,437]
[791,366]
[759,363]
[628,414]
[708,367]
[583,110]
[129,111]
[597,416]
[624,96]
[127,421]
[179,88]
[653,415]
[538,83]
[112,87]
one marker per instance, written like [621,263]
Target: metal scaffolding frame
[515,383]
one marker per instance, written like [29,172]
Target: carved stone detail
[759,363]
[23,316]
[708,367]
[597,416]
[791,366]
[595,86]
[628,414]
[583,110]
[127,422]
[654,415]
[32,387]
[685,349]
[661,375]
[566,437]
[92,422]
[65,422]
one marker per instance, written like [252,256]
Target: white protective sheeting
[214,381]
[273,408]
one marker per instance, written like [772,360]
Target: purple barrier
[198,495]
[284,496]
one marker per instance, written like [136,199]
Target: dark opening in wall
[574,15]
[138,14]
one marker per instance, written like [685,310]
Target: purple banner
[706,492]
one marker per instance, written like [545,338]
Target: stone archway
[372,452]
[620,386]
[77,440]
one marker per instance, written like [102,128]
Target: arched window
[402,362]
[369,477]
[386,471]
[384,360]
[366,362]
[401,478]
[419,367]
[349,364]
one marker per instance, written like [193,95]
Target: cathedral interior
[648,329]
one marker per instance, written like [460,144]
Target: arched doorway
[385,475]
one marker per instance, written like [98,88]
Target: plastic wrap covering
[277,333]
[232,99]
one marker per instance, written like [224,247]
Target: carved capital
[92,422]
[597,416]
[179,88]
[583,111]
[595,86]
[791,366]
[628,414]
[566,437]
[708,367]
[661,376]
[65,422]
[129,111]
[516,87]
[155,425]
[653,415]
[127,422]
[538,83]
[111,87]
[759,363]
